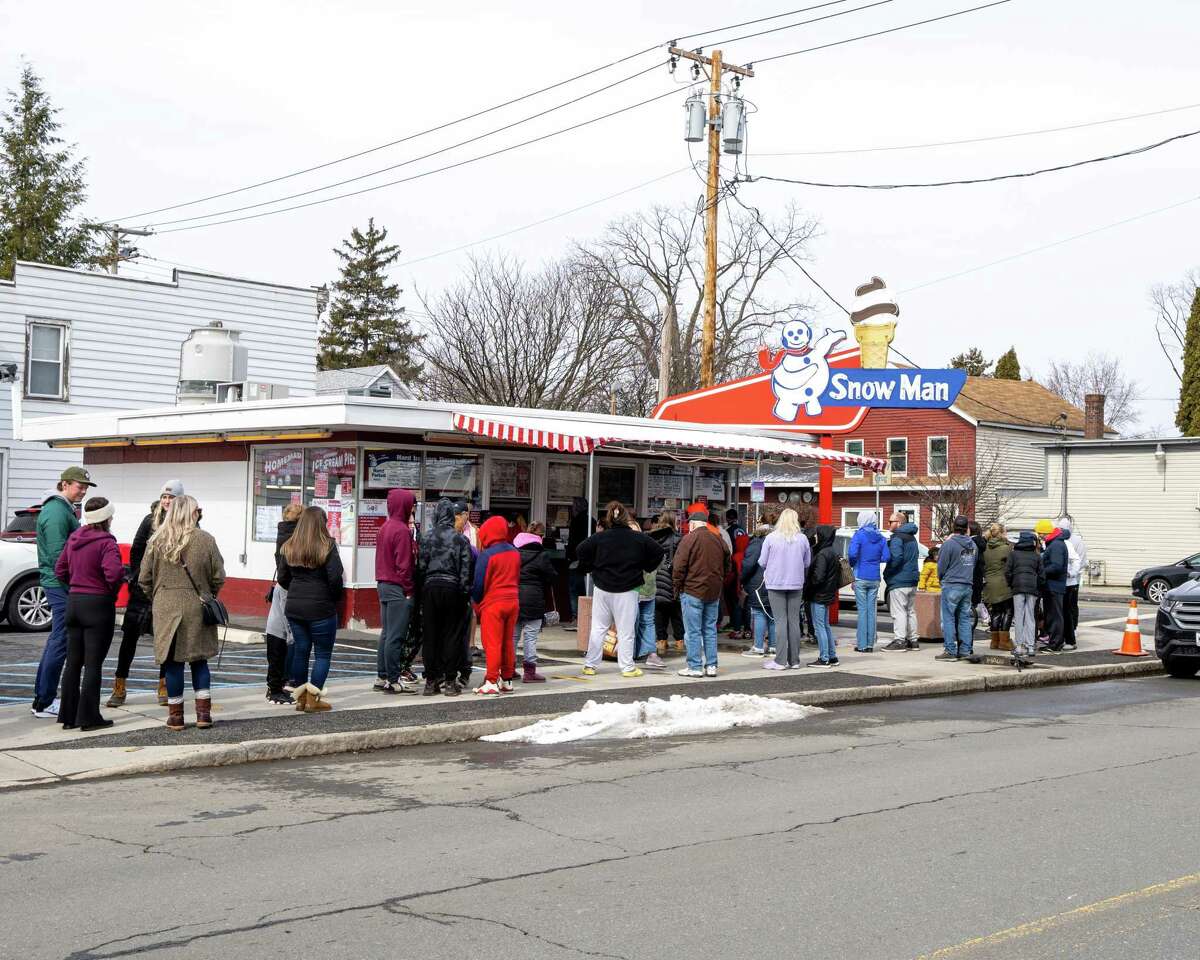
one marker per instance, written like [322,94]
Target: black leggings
[90,623]
[668,614]
[1002,614]
[443,611]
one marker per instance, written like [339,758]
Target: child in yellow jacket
[929,580]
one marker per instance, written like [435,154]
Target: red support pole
[825,502]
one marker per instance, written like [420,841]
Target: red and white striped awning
[583,435]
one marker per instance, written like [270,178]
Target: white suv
[22,600]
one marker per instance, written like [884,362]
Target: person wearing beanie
[868,551]
[1055,564]
[956,570]
[537,576]
[1077,559]
[1025,578]
[496,594]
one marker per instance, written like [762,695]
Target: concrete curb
[324,744]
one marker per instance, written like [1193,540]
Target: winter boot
[175,716]
[162,691]
[530,674]
[995,639]
[1005,640]
[118,695]
[316,702]
[301,696]
[203,712]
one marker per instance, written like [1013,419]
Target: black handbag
[215,613]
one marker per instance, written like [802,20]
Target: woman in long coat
[182,564]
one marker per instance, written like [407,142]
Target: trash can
[929,615]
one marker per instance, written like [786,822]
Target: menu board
[387,469]
[339,518]
[710,484]
[267,518]
[669,482]
[450,476]
[565,481]
[511,479]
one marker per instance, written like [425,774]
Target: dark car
[23,526]
[1153,583]
[1177,630]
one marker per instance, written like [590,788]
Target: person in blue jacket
[901,575]
[1054,561]
[868,551]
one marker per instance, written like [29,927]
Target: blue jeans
[647,635]
[395,608]
[764,629]
[819,612]
[54,654]
[700,630]
[317,636]
[173,671]
[956,618]
[866,592]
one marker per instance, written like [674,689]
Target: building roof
[780,475]
[1017,403]
[356,378]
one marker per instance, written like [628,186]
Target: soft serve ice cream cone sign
[812,381]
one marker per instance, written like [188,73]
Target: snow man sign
[809,385]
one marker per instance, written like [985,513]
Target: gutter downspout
[1066,453]
[18,413]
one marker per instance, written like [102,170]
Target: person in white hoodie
[1076,565]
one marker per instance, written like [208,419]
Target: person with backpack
[825,579]
[867,553]
[310,570]
[537,576]
[956,570]
[757,600]
[445,567]
[1026,578]
[278,634]
[901,575]
[668,614]
[90,565]
[395,577]
[785,557]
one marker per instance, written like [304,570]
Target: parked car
[22,528]
[1153,583]
[1177,629]
[22,600]
[841,543]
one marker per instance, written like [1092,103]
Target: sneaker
[47,713]
[710,670]
[770,652]
[280,697]
[833,663]
[821,663]
[914,644]
[946,656]
[488,689]
[399,686]
[689,672]
[506,686]
[795,666]
[409,677]
[632,673]
[1069,646]
[451,688]
[432,688]
[773,665]
[380,685]
[753,652]
[654,662]
[570,627]
[896,645]
[588,671]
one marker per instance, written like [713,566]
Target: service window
[712,485]
[331,475]
[564,482]
[278,481]
[452,475]
[616,483]
[668,487]
[384,470]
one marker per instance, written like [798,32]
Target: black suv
[1177,630]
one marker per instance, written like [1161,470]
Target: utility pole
[115,233]
[666,342]
[717,67]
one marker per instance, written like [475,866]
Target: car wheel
[1181,667]
[28,606]
[1156,589]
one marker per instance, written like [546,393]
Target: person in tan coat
[182,563]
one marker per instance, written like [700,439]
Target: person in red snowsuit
[496,598]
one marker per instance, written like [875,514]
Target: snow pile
[658,718]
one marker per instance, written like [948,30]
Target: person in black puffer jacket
[1026,578]
[761,618]
[821,589]
[537,574]
[667,611]
[445,571]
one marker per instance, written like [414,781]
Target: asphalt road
[1055,822]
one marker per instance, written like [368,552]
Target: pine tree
[366,325]
[41,184]
[973,362]
[1187,416]
[1008,367]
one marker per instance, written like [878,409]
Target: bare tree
[973,486]
[654,259]
[1172,305]
[507,336]
[1097,373]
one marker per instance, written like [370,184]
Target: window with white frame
[943,519]
[854,447]
[850,516]
[939,456]
[910,511]
[46,360]
[897,451]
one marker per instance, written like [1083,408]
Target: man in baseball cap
[56,521]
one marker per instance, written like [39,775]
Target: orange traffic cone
[1131,643]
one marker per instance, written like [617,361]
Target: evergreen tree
[41,185]
[1187,416]
[1008,367]
[366,325]
[973,362]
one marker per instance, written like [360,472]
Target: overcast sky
[172,102]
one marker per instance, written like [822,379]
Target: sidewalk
[36,751]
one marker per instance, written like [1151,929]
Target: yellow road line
[1058,919]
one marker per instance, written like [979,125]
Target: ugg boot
[530,674]
[203,712]
[175,716]
[316,702]
[301,695]
[162,691]
[1005,640]
[995,635]
[118,695]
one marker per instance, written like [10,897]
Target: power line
[800,23]
[1006,176]
[750,23]
[987,139]
[880,33]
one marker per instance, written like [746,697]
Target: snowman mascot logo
[800,370]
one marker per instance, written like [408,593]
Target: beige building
[1135,502]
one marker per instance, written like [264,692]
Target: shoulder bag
[214,610]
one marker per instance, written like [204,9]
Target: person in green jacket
[56,521]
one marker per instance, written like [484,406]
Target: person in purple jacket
[395,575]
[90,565]
[785,558]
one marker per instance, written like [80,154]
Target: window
[939,456]
[615,483]
[380,390]
[46,360]
[850,516]
[330,475]
[910,511]
[564,482]
[855,447]
[897,451]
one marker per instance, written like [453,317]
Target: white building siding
[125,337]
[1132,510]
[1022,461]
